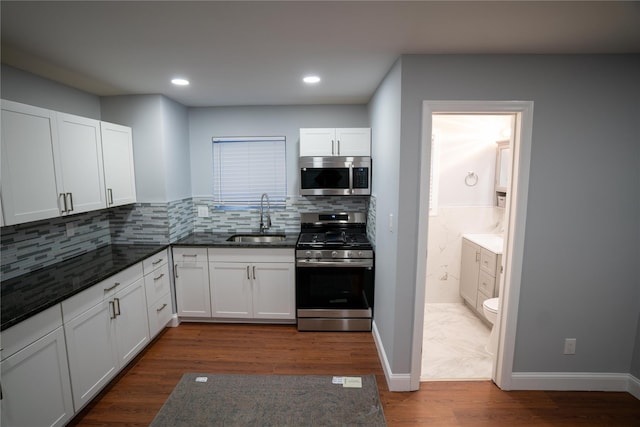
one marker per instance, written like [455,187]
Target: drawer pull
[159,277]
[117,300]
[158,310]
[157,262]
[190,255]
[113,287]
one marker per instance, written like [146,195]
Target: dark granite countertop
[27,295]
[220,240]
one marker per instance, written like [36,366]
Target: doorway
[465,202]
[515,215]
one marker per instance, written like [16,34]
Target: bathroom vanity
[480,269]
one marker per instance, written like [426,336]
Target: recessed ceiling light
[311,79]
[180,82]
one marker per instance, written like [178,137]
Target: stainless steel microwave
[335,176]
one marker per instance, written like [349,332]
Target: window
[246,167]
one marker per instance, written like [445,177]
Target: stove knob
[308,254]
[360,254]
[334,254]
[348,254]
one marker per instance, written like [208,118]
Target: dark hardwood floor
[134,398]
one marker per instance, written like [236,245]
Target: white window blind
[246,167]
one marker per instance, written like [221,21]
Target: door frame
[515,211]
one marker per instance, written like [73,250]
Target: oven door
[330,293]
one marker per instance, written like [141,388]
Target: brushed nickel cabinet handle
[159,277]
[112,310]
[248,277]
[158,310]
[117,300]
[110,195]
[70,196]
[113,287]
[175,271]
[157,262]
[254,272]
[64,202]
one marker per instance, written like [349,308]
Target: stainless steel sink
[257,238]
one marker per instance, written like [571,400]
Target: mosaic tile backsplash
[32,246]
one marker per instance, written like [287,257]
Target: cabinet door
[353,141]
[231,289]
[79,150]
[35,384]
[29,176]
[192,289]
[469,271]
[93,359]
[119,175]
[274,291]
[132,324]
[317,142]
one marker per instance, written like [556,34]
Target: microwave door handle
[351,178]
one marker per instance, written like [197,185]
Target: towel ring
[471,179]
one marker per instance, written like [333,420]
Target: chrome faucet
[263,225]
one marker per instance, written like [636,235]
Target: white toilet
[490,310]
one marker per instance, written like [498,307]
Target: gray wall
[20,86]
[175,120]
[580,274]
[384,112]
[206,123]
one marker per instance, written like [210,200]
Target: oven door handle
[331,263]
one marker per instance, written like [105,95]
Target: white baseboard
[395,382]
[174,322]
[575,381]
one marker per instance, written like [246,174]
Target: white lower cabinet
[36,390]
[252,283]
[191,271]
[157,283]
[105,327]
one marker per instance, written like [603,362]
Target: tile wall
[28,247]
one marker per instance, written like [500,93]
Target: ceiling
[256,52]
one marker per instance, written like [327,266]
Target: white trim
[395,382]
[634,386]
[514,245]
[576,381]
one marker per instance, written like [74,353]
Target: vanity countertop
[492,242]
[27,295]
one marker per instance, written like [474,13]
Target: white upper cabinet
[79,150]
[335,142]
[29,170]
[119,175]
[56,164]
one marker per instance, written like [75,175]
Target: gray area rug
[270,400]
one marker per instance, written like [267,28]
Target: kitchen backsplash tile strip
[140,223]
[283,220]
[181,216]
[35,245]
[371,221]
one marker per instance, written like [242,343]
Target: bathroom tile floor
[453,344]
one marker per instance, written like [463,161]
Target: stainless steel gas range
[334,273]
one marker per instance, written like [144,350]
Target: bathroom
[463,201]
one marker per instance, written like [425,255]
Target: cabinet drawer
[189,254]
[86,299]
[488,261]
[159,314]
[486,283]
[157,283]
[24,333]
[155,261]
